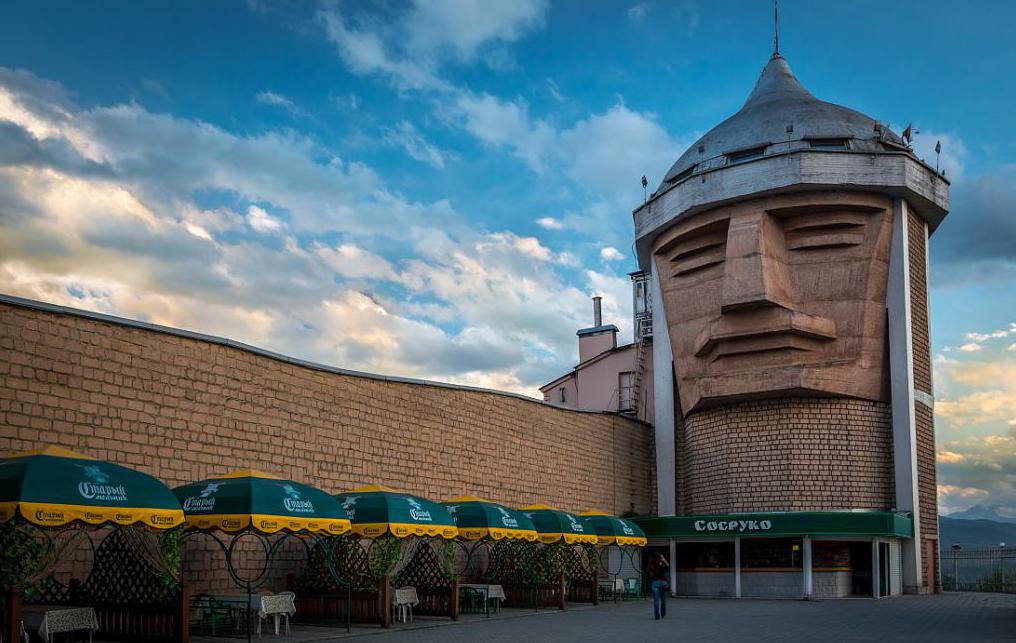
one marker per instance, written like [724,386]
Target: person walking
[659,574]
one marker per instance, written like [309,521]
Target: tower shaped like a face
[770,241]
[777,296]
[788,247]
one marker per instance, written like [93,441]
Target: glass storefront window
[705,556]
[772,553]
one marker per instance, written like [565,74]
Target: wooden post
[596,588]
[455,600]
[386,602]
[182,615]
[562,591]
[12,615]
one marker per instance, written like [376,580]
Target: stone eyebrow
[825,228]
[697,249]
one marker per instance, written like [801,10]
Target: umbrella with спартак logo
[262,502]
[52,487]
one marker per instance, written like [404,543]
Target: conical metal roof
[780,110]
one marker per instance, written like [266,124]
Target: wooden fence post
[12,615]
[455,600]
[182,615]
[562,591]
[386,601]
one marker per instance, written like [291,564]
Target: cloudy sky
[435,188]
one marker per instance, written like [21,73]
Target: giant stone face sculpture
[778,296]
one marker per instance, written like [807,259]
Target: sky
[435,188]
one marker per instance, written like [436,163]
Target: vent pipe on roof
[597,313]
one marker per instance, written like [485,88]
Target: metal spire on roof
[776,28]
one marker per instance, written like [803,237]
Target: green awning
[479,518]
[554,525]
[611,530]
[253,499]
[376,510]
[52,487]
[791,523]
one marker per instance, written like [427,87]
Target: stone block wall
[184,408]
[787,454]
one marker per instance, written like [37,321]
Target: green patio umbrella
[376,510]
[52,487]
[478,518]
[611,530]
[554,525]
[266,503]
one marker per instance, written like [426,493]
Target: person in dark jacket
[659,574]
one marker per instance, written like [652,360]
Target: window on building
[746,155]
[829,143]
[625,391]
[562,395]
[695,557]
[784,554]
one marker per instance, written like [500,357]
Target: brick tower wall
[787,454]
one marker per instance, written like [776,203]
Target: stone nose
[755,275]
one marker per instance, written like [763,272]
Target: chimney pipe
[597,313]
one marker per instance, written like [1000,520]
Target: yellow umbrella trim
[53,515]
[569,539]
[267,523]
[56,452]
[496,533]
[403,530]
[622,541]
[247,473]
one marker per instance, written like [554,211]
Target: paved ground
[948,617]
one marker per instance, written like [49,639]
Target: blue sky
[435,189]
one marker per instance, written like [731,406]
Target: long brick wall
[787,454]
[185,408]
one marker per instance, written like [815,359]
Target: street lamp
[1001,564]
[956,566]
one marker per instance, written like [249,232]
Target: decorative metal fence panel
[979,569]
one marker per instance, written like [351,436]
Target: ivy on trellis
[425,569]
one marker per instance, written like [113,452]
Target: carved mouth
[763,330]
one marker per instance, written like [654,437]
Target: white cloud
[462,27]
[611,254]
[278,100]
[406,136]
[410,48]
[550,223]
[111,224]
[971,347]
[637,13]
[261,220]
[354,262]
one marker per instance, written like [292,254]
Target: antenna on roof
[776,28]
[645,189]
[938,152]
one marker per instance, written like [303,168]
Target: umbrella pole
[248,612]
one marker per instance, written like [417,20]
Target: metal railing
[979,569]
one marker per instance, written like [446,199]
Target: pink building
[609,377]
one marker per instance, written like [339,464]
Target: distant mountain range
[979,533]
[980,512]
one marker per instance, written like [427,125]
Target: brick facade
[786,454]
[184,409]
[924,418]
